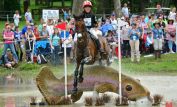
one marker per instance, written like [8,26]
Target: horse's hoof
[75,97]
[81,79]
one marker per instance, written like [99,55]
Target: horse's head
[79,24]
[80,29]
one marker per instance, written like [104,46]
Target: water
[16,91]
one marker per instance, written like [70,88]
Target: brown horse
[86,51]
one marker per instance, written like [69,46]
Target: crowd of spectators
[141,34]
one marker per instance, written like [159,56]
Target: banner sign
[50,14]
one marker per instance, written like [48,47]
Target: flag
[61,26]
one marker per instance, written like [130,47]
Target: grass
[167,64]
[148,66]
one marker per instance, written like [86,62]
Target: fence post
[7,18]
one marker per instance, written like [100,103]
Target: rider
[89,19]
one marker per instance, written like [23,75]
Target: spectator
[151,21]
[159,10]
[5,27]
[134,19]
[134,35]
[12,27]
[8,42]
[55,46]
[144,27]
[158,37]
[172,14]
[125,11]
[36,32]
[50,26]
[44,34]
[9,61]
[23,42]
[18,38]
[170,34]
[66,14]
[30,37]
[16,18]
[113,22]
[28,16]
[111,41]
[68,41]
[40,26]
[141,41]
[149,42]
[106,27]
[125,38]
[162,23]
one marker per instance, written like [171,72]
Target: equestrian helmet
[87,4]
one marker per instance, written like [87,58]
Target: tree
[117,7]
[77,7]
[11,5]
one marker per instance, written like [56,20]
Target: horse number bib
[88,21]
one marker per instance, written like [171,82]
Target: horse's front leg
[84,61]
[81,71]
[75,77]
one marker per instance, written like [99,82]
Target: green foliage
[95,5]
[11,5]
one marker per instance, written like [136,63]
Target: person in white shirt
[50,27]
[125,11]
[28,16]
[172,14]
[16,18]
[113,22]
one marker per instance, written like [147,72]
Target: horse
[86,51]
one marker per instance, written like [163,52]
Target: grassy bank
[148,66]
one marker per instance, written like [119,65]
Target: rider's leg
[98,44]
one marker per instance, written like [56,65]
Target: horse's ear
[77,17]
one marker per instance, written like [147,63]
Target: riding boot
[98,46]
